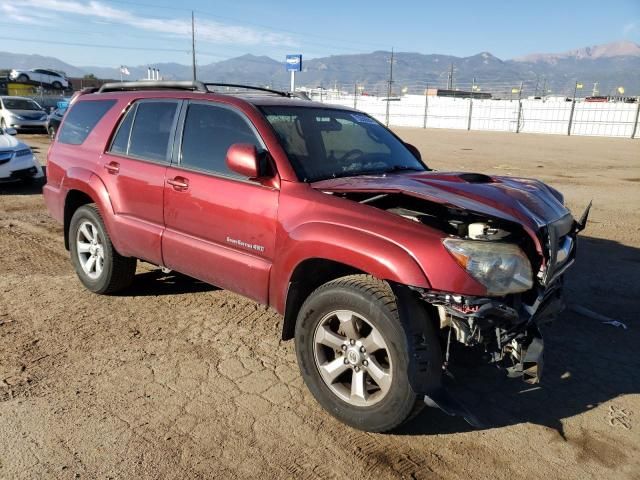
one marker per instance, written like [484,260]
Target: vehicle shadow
[587,362]
[33,187]
[156,283]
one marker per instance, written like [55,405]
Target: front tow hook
[442,399]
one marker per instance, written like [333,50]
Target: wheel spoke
[327,337]
[83,247]
[379,374]
[348,324]
[85,232]
[91,262]
[99,265]
[373,342]
[332,370]
[358,388]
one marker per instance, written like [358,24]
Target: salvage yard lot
[177,379]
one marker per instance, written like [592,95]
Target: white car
[17,161]
[21,113]
[47,77]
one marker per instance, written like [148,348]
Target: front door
[219,226]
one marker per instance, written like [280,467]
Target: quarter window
[81,120]
[209,131]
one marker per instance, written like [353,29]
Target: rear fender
[87,182]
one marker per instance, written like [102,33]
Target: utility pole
[193,44]
[389,87]
[426,106]
[596,91]
[544,87]
[450,79]
[573,107]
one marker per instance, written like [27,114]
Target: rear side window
[209,131]
[145,131]
[81,119]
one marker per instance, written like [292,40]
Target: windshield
[20,104]
[324,143]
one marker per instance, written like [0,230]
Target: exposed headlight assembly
[501,267]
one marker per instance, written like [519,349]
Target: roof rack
[194,86]
[248,87]
[153,85]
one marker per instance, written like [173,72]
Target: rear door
[133,170]
[220,227]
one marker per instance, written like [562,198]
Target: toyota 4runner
[377,263]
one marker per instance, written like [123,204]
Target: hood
[9,142]
[521,200]
[29,114]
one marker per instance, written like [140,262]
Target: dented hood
[525,201]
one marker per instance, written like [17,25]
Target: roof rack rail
[153,85]
[248,87]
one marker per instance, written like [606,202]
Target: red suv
[378,263]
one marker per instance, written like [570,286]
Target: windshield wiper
[380,171]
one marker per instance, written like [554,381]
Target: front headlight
[23,153]
[501,267]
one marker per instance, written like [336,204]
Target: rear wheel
[57,85]
[355,352]
[52,132]
[99,266]
[22,78]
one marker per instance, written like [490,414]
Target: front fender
[375,255]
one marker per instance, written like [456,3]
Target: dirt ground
[174,379]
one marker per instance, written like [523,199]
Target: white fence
[610,119]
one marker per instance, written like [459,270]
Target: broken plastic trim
[442,399]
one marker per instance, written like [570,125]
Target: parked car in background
[17,161]
[21,113]
[47,77]
[55,117]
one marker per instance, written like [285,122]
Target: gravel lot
[175,379]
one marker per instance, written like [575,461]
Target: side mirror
[243,159]
[414,150]
[10,131]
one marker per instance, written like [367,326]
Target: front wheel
[356,350]
[99,266]
[56,85]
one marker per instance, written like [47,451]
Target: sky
[111,33]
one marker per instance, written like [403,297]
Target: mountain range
[611,65]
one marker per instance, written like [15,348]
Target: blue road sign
[294,63]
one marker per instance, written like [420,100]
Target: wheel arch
[83,187]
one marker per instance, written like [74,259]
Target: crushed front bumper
[509,330]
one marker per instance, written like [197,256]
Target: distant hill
[611,65]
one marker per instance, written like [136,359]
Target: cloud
[206,30]
[15,14]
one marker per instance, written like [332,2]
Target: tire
[411,353]
[116,272]
[22,78]
[56,85]
[52,133]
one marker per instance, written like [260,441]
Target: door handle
[179,183]
[112,167]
